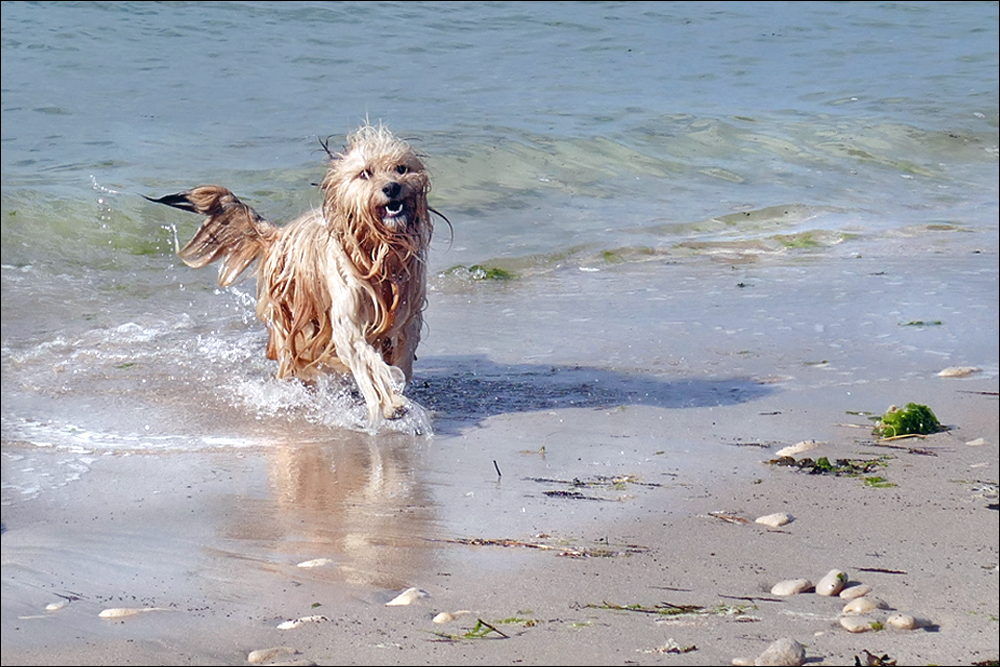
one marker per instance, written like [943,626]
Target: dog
[343,288]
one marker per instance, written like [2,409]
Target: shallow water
[633,165]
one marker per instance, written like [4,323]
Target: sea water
[609,171]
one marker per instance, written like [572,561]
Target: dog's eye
[365,174]
[402,169]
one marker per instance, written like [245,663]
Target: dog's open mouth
[394,213]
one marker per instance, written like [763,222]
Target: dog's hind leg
[233,232]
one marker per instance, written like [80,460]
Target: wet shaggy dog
[342,288]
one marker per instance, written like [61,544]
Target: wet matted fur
[343,288]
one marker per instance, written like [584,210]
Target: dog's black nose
[392,190]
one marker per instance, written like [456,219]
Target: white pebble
[978,442]
[408,596]
[853,592]
[775,520]
[315,562]
[797,448]
[857,623]
[124,612]
[832,583]
[265,654]
[863,606]
[743,662]
[289,625]
[56,606]
[446,617]
[902,622]
[958,371]
[791,587]
[783,652]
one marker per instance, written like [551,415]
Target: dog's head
[377,181]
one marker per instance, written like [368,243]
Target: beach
[576,532]
[674,240]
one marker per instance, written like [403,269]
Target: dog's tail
[234,232]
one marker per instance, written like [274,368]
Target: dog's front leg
[380,384]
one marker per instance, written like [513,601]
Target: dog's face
[378,180]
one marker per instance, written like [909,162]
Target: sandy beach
[615,532]
[672,241]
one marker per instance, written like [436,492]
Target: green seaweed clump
[479,272]
[490,273]
[914,419]
[824,466]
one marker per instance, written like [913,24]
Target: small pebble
[857,624]
[775,520]
[858,591]
[56,606]
[124,612]
[862,606]
[409,596]
[783,652]
[797,448]
[902,622]
[978,442]
[289,625]
[315,562]
[958,371]
[832,583]
[791,587]
[743,662]
[265,654]
[446,617]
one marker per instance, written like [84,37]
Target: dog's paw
[393,412]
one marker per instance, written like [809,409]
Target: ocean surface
[623,166]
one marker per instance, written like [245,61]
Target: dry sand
[214,542]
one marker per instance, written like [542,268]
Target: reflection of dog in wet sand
[342,288]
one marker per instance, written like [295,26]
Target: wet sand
[570,529]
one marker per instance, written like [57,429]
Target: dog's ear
[325,143]
[334,157]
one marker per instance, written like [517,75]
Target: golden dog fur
[343,288]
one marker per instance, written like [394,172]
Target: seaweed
[480,272]
[839,467]
[869,659]
[668,609]
[604,551]
[914,419]
[877,482]
[482,630]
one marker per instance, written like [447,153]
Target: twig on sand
[749,599]
[481,631]
[480,621]
[880,570]
[909,450]
[599,480]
